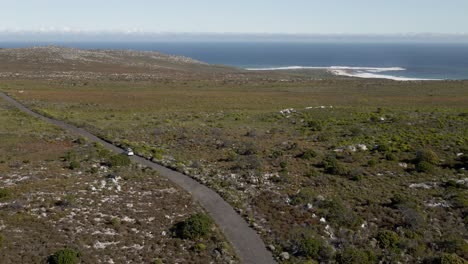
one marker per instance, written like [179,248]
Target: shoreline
[348,71]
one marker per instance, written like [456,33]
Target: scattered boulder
[284,256]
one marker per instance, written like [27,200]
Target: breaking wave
[359,72]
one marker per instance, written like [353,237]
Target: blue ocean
[392,60]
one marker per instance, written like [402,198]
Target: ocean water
[403,61]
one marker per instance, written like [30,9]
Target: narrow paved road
[247,243]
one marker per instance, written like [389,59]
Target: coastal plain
[327,169]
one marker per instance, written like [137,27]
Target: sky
[239,16]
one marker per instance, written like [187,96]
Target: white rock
[362,147]
[426,186]
[284,256]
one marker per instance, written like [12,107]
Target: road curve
[246,242]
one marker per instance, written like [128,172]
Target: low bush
[332,166]
[338,214]
[460,200]
[5,194]
[65,256]
[452,259]
[314,125]
[200,247]
[356,256]
[427,155]
[81,140]
[308,154]
[248,148]
[309,247]
[196,226]
[70,156]
[372,162]
[74,165]
[424,167]
[388,239]
[390,156]
[456,246]
[306,195]
[119,160]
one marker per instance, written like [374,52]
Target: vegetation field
[330,171]
[64,200]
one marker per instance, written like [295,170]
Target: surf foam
[351,71]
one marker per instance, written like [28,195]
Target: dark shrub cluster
[119,160]
[74,165]
[332,166]
[196,226]
[352,255]
[65,256]
[338,214]
[425,160]
[452,259]
[308,154]
[306,195]
[388,239]
[314,125]
[5,193]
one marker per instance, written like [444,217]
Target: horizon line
[143,32]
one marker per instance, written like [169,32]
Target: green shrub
[196,226]
[231,155]
[200,247]
[390,156]
[5,194]
[158,261]
[309,247]
[306,195]
[338,214]
[65,256]
[119,160]
[312,172]
[314,125]
[383,147]
[425,167]
[372,162]
[427,155]
[460,200]
[455,246]
[356,174]
[308,154]
[331,166]
[157,153]
[452,259]
[81,140]
[70,155]
[74,165]
[355,256]
[388,239]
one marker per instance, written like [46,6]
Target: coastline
[349,71]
